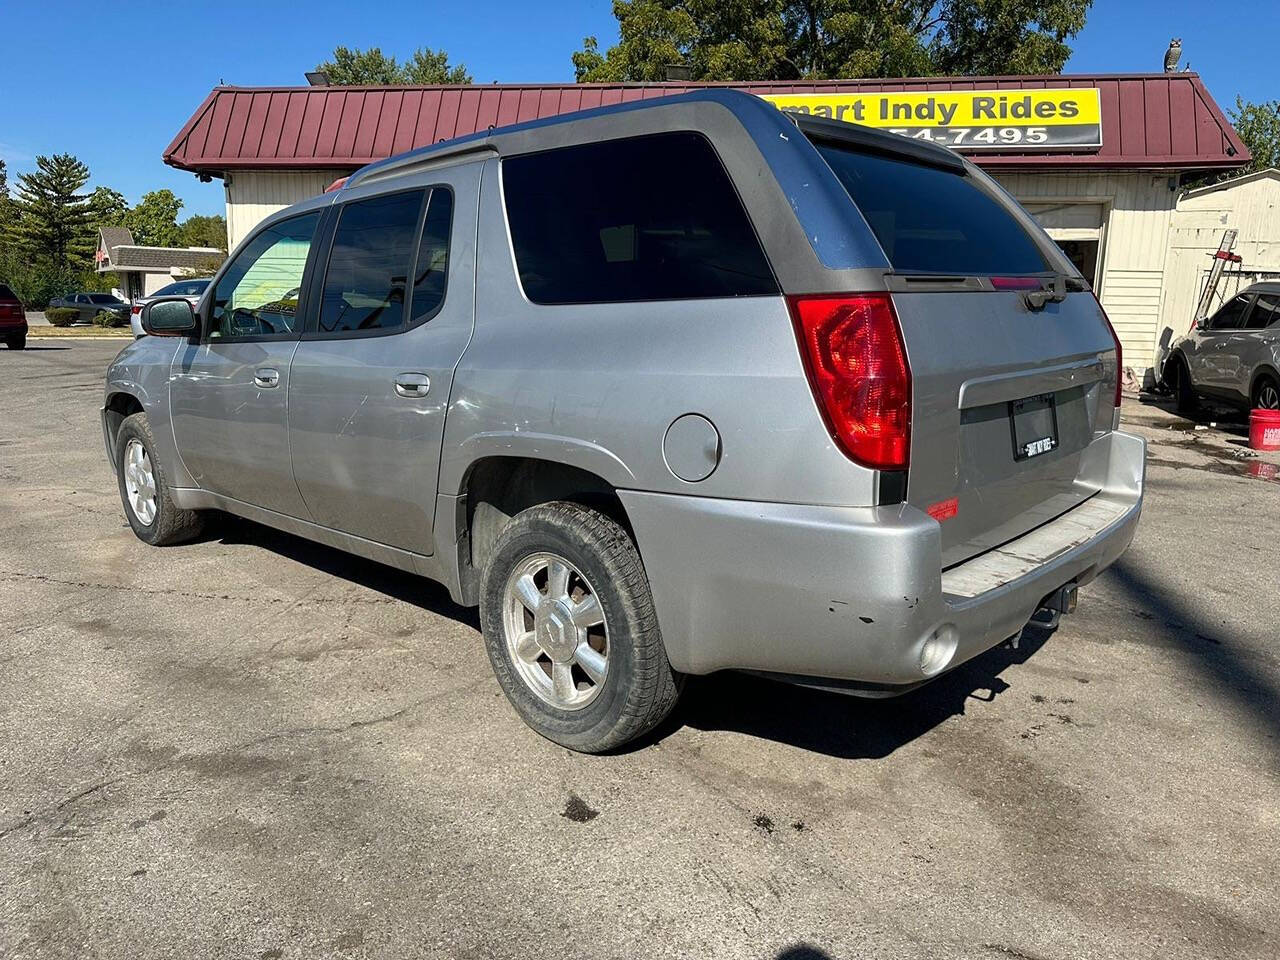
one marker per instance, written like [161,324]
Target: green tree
[108,207]
[51,219]
[154,221]
[1259,127]
[827,39]
[201,231]
[350,67]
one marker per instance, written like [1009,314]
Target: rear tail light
[857,366]
[1119,352]
[135,309]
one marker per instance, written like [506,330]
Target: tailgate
[1004,401]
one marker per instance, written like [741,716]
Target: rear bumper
[9,328]
[855,593]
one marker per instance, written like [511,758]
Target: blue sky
[117,109]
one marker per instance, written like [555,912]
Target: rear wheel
[17,341]
[570,628]
[1184,393]
[1266,393]
[148,506]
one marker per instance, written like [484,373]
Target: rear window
[644,218]
[102,298]
[930,220]
[6,293]
[183,288]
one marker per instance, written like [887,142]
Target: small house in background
[144,270]
[1250,205]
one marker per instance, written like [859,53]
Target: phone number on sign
[975,136]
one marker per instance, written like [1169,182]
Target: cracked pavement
[254,746]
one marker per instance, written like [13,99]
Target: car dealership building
[1101,161]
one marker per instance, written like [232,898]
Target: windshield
[931,220]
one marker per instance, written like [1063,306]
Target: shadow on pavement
[28,348]
[837,724]
[803,951]
[1207,644]
[407,587]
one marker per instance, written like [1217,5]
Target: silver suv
[664,388]
[1232,356]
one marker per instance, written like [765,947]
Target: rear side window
[1266,312]
[431,269]
[368,276]
[930,220]
[645,218]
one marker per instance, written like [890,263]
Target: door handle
[266,377]
[413,385]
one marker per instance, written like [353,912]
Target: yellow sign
[967,119]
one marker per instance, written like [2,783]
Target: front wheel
[570,629]
[1183,391]
[1266,394]
[148,506]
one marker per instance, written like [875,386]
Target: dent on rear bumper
[847,593]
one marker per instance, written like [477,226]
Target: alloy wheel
[140,482]
[555,631]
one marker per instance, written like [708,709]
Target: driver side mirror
[169,317]
[1202,323]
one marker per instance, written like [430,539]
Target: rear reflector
[857,366]
[1119,352]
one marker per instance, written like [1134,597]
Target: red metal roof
[1148,120]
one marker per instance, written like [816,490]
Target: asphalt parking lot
[252,746]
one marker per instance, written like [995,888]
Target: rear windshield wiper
[1036,299]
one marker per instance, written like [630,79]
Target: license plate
[1034,422]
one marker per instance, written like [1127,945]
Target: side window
[431,268]
[1266,312]
[258,295]
[1231,316]
[645,218]
[367,280]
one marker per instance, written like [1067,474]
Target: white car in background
[193,290]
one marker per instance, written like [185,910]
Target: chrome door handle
[266,377]
[413,385]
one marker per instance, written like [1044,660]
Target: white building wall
[1136,211]
[255,194]
[1251,206]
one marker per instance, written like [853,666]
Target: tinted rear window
[645,218]
[930,220]
[6,293]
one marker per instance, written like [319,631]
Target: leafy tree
[108,206]
[350,67]
[153,222]
[4,199]
[201,231]
[1259,127]
[825,39]
[51,222]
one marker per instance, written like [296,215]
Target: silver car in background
[191,289]
[664,388]
[1232,356]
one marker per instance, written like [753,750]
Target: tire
[17,342]
[168,524]
[1184,393]
[1266,393]
[638,688]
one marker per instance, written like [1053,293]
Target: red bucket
[1264,429]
